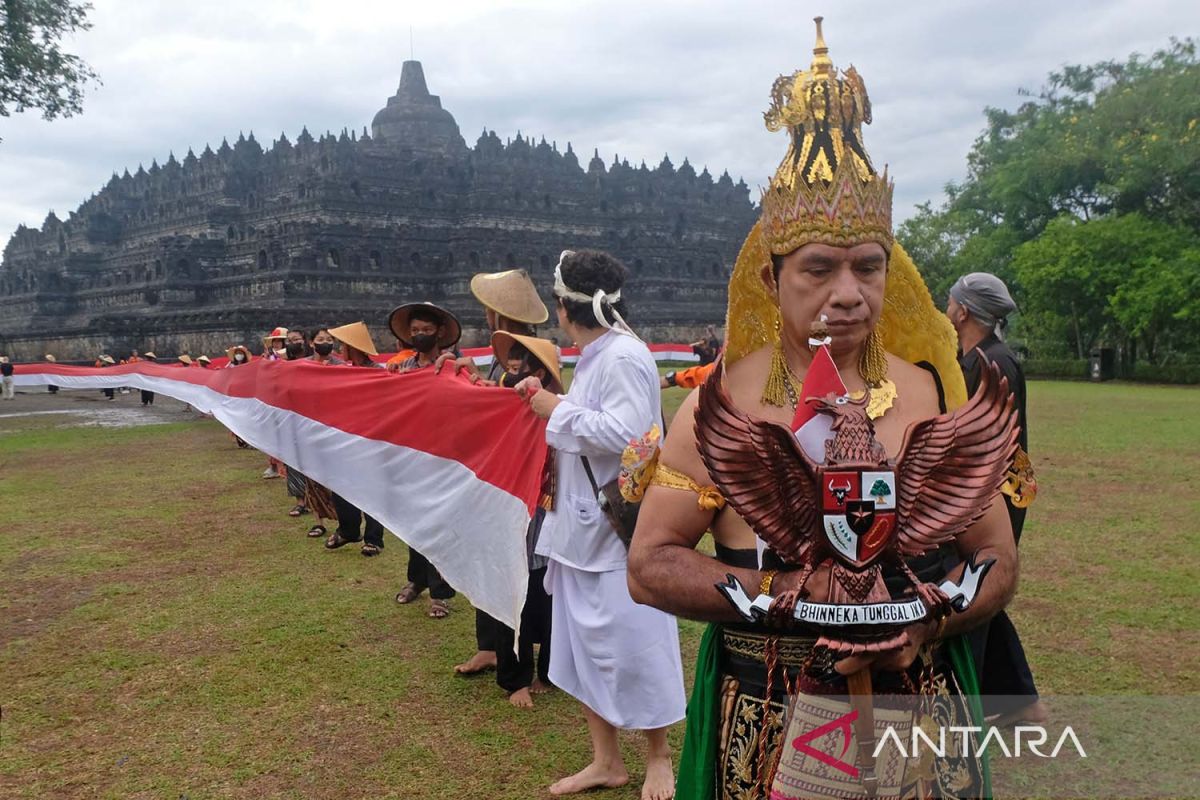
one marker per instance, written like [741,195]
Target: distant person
[51,388]
[978,308]
[148,396]
[237,356]
[706,349]
[356,349]
[6,379]
[274,349]
[428,330]
[519,673]
[102,362]
[315,498]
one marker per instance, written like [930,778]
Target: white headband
[563,292]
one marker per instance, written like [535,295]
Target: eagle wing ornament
[951,467]
[947,476]
[761,470]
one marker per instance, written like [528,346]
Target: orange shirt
[403,355]
[692,377]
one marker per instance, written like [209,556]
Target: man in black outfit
[978,307]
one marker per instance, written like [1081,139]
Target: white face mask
[281,353]
[239,357]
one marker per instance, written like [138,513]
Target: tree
[35,72]
[1125,278]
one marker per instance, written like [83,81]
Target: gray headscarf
[985,297]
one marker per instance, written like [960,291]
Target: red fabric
[440,414]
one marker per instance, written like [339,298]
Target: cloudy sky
[631,77]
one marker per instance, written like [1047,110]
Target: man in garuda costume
[822,257]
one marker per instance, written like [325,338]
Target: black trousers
[422,575]
[515,671]
[108,393]
[487,628]
[1005,680]
[350,518]
[147,398]
[52,389]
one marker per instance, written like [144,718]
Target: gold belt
[793,650]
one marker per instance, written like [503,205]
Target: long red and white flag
[452,469]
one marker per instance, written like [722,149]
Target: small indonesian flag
[813,429]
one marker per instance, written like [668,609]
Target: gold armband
[709,500]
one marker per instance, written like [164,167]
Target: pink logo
[842,723]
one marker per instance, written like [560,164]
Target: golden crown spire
[825,189]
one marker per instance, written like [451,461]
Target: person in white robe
[620,659]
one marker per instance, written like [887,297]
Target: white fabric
[618,658]
[6,387]
[614,398]
[433,504]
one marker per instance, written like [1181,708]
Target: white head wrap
[598,299]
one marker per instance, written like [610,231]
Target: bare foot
[482,661]
[593,776]
[538,687]
[660,779]
[521,698]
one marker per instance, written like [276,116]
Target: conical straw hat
[185,359]
[50,357]
[204,360]
[510,294]
[107,359]
[541,349]
[149,355]
[357,336]
[398,323]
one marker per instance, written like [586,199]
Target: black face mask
[295,349]
[323,349]
[424,342]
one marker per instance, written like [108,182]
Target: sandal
[369,550]
[439,609]
[409,593]
[317,531]
[336,540]
[298,510]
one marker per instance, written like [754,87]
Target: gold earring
[775,392]
[872,365]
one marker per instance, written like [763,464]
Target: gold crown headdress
[844,206]
[825,190]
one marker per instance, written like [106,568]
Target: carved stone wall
[203,252]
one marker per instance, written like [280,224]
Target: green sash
[697,763]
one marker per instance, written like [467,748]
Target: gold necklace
[882,393]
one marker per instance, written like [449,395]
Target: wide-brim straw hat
[510,294]
[279,333]
[541,349]
[186,359]
[107,360]
[3,359]
[236,348]
[398,322]
[149,355]
[50,357]
[357,336]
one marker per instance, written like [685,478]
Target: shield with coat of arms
[858,512]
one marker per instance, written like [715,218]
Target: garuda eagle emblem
[859,509]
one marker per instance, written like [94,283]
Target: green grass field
[167,631]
